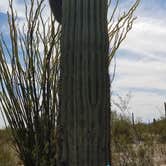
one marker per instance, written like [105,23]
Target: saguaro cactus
[84,110]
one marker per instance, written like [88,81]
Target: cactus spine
[84,111]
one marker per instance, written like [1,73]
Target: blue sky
[141,59]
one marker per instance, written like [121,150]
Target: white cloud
[4,6]
[144,76]
[140,74]
[147,105]
[148,38]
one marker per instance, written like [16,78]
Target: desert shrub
[7,156]
[121,131]
[161,126]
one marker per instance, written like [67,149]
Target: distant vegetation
[138,144]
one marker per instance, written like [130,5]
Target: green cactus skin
[84,111]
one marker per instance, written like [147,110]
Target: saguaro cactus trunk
[84,111]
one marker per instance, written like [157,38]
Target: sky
[140,60]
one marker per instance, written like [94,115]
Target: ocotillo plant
[28,84]
[84,111]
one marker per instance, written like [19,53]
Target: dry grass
[141,155]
